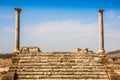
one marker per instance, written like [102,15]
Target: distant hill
[115,53]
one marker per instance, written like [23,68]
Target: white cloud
[8,29]
[112,30]
[119,17]
[110,14]
[68,35]
[66,26]
[9,16]
[112,39]
[71,32]
[112,20]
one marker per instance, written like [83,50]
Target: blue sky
[60,25]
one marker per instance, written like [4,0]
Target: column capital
[100,10]
[18,10]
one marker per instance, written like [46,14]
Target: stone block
[83,50]
[15,57]
[78,50]
[24,50]
[34,49]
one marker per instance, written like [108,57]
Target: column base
[17,51]
[101,51]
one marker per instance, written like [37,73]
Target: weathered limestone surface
[83,50]
[31,49]
[25,50]
[13,68]
[58,66]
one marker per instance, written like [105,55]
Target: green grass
[5,56]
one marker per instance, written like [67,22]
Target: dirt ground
[4,65]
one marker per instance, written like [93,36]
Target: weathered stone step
[61,73]
[57,55]
[59,64]
[51,58]
[65,55]
[63,70]
[57,58]
[61,53]
[54,59]
[52,53]
[63,77]
[73,67]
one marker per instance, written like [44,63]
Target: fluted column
[17,30]
[101,32]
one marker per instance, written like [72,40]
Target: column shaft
[17,29]
[101,32]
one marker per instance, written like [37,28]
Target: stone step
[64,63]
[63,70]
[51,53]
[60,70]
[55,53]
[60,66]
[73,67]
[62,77]
[61,73]
[65,55]
[58,55]
[80,76]
[52,58]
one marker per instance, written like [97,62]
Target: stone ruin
[101,31]
[31,49]
[83,50]
[33,64]
[30,63]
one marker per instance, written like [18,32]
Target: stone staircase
[60,66]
